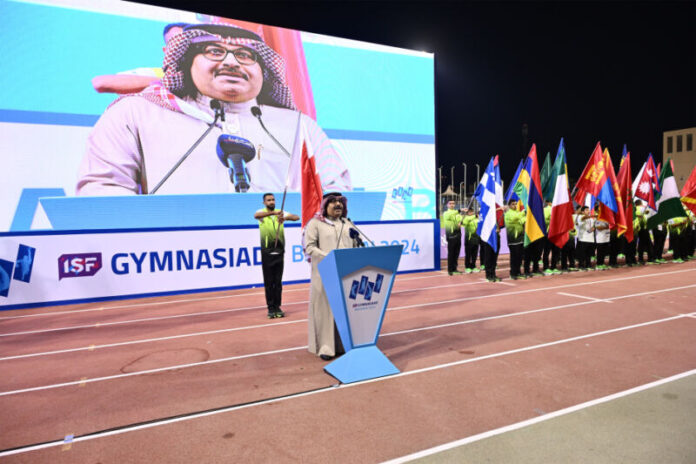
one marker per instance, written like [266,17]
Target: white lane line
[215,361]
[533,290]
[234,329]
[341,386]
[536,420]
[598,300]
[494,295]
[202,313]
[187,300]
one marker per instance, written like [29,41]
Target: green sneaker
[556,271]
[476,269]
[678,260]
[621,255]
[483,267]
[455,273]
[548,272]
[468,270]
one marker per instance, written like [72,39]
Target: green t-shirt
[514,224]
[453,222]
[470,223]
[269,227]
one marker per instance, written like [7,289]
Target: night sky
[615,72]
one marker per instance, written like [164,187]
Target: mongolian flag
[535,225]
[615,216]
[592,178]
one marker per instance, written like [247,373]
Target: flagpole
[287,174]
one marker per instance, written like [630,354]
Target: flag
[550,188]
[499,214]
[688,193]
[668,205]
[615,216]
[648,183]
[510,194]
[592,178]
[522,185]
[624,180]
[486,197]
[561,207]
[311,190]
[545,176]
[535,225]
[659,165]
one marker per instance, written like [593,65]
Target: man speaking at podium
[140,137]
[327,230]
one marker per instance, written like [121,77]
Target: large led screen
[100,100]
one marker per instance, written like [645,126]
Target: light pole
[478,177]
[460,185]
[438,185]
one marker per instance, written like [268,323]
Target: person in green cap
[453,231]
[514,225]
[273,251]
[471,241]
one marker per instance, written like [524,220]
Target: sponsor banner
[43,268]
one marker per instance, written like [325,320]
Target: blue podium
[358,282]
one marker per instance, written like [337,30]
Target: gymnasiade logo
[79,265]
[366,288]
[22,268]
[402,193]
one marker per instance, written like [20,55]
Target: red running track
[207,378]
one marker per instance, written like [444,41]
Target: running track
[207,378]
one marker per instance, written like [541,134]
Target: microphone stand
[361,232]
[256,111]
[219,114]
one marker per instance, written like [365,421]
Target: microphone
[219,114]
[355,235]
[361,233]
[216,106]
[256,111]
[234,152]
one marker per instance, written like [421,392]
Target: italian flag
[561,207]
[669,204]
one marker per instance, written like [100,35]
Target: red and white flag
[311,190]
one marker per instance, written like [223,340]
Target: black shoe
[279,313]
[326,357]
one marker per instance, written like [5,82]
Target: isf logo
[402,193]
[79,265]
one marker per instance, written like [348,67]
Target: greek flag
[486,198]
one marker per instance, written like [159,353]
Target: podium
[358,282]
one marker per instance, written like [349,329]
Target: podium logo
[22,267]
[79,265]
[366,288]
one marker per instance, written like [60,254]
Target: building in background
[679,145]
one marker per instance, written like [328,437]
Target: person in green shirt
[471,240]
[514,225]
[453,231]
[273,251]
[678,238]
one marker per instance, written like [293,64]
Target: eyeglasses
[243,56]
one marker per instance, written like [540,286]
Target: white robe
[136,142]
[320,238]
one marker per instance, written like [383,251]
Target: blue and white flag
[486,197]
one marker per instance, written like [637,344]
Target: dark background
[615,72]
